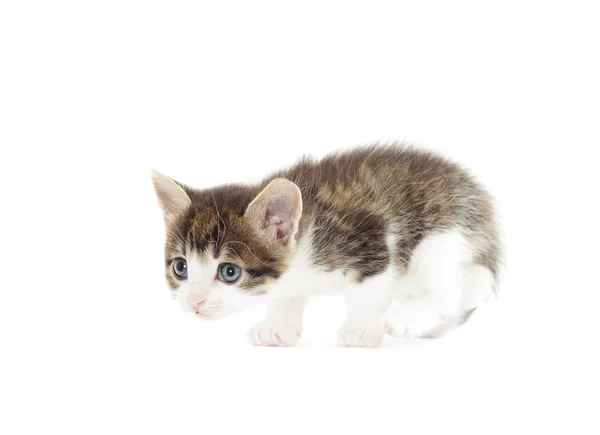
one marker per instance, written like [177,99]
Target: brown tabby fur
[351,200]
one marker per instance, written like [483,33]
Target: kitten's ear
[277,210]
[171,196]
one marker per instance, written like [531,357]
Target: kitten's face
[226,247]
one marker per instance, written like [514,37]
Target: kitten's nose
[195,301]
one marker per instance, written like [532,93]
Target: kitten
[377,223]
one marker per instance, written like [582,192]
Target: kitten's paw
[269,334]
[412,322]
[353,335]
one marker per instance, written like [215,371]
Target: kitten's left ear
[171,196]
[277,210]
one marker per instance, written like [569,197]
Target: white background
[94,94]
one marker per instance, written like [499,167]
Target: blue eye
[229,273]
[180,268]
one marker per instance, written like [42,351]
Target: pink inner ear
[279,213]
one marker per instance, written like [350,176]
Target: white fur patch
[367,302]
[441,285]
[302,279]
[220,299]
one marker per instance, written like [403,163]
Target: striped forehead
[194,235]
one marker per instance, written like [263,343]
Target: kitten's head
[225,247]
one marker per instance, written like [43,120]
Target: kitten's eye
[229,273]
[180,268]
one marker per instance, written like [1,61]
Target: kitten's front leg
[282,326]
[367,302]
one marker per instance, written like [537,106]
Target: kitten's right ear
[171,196]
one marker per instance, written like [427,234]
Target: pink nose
[195,301]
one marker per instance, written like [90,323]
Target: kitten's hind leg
[432,293]
[367,302]
[417,318]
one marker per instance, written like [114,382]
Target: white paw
[270,334]
[354,335]
[412,321]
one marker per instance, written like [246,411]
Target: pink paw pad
[389,330]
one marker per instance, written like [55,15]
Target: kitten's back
[354,200]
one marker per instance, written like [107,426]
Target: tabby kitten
[378,224]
